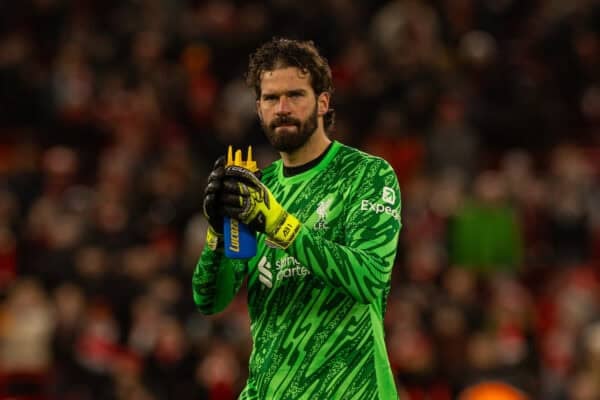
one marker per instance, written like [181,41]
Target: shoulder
[372,177]
[270,170]
[361,161]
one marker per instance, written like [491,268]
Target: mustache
[284,120]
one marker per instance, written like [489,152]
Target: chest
[322,206]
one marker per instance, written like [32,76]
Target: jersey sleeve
[362,265]
[216,280]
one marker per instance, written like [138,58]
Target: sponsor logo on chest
[286,267]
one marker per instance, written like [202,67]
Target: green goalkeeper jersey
[317,307]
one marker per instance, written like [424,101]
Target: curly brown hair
[282,53]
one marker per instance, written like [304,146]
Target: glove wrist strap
[214,239]
[285,232]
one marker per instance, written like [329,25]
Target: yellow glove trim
[285,233]
[264,211]
[213,238]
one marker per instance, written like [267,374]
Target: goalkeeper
[327,218]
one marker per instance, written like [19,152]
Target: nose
[283,107]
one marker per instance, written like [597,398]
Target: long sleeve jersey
[317,308]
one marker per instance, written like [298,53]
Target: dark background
[112,113]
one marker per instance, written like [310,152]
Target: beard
[288,140]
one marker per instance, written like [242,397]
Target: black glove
[211,207]
[248,200]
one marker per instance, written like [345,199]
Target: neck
[313,148]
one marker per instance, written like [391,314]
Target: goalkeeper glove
[211,207]
[248,200]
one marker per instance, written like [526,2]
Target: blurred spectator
[26,329]
[569,219]
[484,234]
[28,323]
[391,141]
[453,144]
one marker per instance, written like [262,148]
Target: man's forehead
[284,77]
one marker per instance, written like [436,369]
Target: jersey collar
[312,170]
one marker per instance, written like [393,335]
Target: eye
[269,97]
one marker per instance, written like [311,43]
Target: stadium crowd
[113,111]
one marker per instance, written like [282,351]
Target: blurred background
[112,113]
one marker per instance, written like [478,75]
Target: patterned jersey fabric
[317,307]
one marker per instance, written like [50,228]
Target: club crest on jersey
[322,210]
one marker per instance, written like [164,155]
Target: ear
[258,112]
[323,103]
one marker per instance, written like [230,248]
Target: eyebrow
[286,92]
